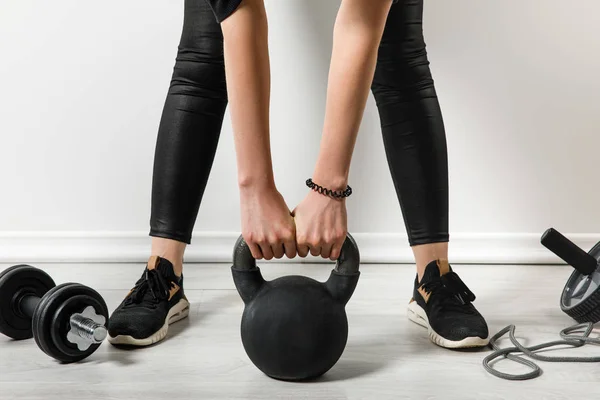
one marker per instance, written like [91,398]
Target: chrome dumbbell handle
[87,328]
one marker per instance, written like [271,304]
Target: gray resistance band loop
[565,334]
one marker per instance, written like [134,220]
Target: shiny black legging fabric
[410,115]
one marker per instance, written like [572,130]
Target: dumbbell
[68,321]
[580,298]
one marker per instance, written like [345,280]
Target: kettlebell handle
[347,263]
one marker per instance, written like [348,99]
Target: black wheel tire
[14,281]
[44,323]
[587,310]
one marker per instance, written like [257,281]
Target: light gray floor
[387,356]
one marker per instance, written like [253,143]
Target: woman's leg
[187,141]
[218,32]
[188,133]
[415,144]
[413,132]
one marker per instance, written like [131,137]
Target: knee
[402,68]
[200,73]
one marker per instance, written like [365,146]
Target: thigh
[404,25]
[200,65]
[200,27]
[402,58]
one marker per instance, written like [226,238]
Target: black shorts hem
[222,9]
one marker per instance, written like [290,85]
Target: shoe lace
[152,283]
[451,291]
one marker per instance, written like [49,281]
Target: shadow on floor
[199,311]
[365,358]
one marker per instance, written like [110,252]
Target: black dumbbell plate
[51,321]
[581,296]
[15,282]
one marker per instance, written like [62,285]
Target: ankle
[422,261]
[170,250]
[442,265]
[177,266]
[421,269]
[426,253]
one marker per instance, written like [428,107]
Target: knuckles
[301,240]
[305,241]
[287,235]
[253,237]
[314,241]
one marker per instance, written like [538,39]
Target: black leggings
[410,115]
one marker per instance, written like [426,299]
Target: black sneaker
[442,303]
[156,301]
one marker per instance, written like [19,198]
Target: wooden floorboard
[387,356]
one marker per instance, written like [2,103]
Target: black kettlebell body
[294,327]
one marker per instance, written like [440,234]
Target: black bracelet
[328,192]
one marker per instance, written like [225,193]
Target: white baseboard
[82,247]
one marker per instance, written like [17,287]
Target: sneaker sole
[417,315]
[178,312]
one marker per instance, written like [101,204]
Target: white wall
[82,88]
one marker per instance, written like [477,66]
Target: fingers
[327,244]
[302,250]
[289,247]
[335,251]
[302,246]
[255,250]
[316,246]
[336,247]
[276,246]
[326,250]
[284,243]
[266,250]
[315,249]
[278,250]
[288,239]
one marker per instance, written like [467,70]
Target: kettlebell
[295,328]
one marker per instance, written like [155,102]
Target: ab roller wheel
[68,322]
[580,298]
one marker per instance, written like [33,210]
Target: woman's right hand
[267,224]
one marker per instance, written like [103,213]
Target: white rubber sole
[417,315]
[177,313]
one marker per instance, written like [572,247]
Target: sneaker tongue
[153,262]
[432,273]
[434,270]
[164,267]
[443,266]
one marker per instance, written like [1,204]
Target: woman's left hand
[321,226]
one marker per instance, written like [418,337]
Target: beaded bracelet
[328,192]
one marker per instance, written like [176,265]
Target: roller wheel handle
[569,252]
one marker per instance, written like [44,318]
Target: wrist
[334,182]
[332,193]
[331,171]
[250,183]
